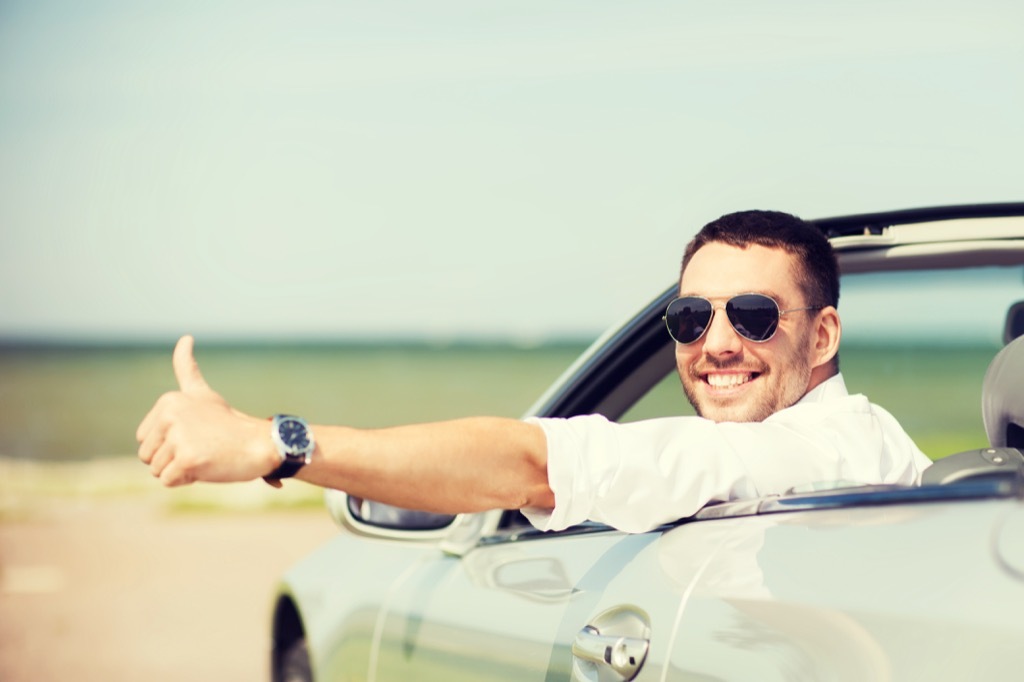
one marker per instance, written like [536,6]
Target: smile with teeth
[728,380]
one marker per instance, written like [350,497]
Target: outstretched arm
[464,465]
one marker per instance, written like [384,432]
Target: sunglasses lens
[753,316]
[687,318]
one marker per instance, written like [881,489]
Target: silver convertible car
[834,582]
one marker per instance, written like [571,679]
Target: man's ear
[826,336]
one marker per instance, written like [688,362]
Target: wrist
[260,448]
[293,442]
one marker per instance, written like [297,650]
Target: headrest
[1002,397]
[1014,326]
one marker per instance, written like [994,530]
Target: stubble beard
[774,391]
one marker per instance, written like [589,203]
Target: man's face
[725,376]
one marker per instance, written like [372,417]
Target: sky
[505,170]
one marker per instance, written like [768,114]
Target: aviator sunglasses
[753,316]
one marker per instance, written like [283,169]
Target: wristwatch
[295,444]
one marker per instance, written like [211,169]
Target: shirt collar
[833,387]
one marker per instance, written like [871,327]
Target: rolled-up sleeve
[639,475]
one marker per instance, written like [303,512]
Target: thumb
[186,369]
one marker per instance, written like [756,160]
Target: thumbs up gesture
[193,434]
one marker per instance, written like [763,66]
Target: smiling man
[757,335]
[736,264]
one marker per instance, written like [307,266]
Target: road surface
[118,587]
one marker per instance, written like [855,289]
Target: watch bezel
[293,457]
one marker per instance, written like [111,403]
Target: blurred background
[395,176]
[394,211]
[508,170]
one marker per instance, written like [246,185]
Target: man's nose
[720,338]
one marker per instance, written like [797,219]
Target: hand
[193,434]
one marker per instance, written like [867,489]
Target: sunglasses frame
[715,309]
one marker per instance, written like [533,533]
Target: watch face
[294,434]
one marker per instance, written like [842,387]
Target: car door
[516,606]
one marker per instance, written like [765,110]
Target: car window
[917,343]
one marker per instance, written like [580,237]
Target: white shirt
[637,476]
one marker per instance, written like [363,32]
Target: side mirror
[395,518]
[378,520]
[454,535]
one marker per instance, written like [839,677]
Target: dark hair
[818,275]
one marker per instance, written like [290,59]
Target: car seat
[1002,397]
[1002,412]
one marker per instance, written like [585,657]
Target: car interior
[1002,409]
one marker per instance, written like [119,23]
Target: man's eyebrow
[726,297]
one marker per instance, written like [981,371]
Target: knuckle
[166,402]
[169,405]
[170,477]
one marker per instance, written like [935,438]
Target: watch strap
[288,468]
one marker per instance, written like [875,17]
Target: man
[757,335]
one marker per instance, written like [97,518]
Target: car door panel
[505,611]
[847,595]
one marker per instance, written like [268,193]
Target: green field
[61,404]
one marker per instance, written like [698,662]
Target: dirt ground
[125,582]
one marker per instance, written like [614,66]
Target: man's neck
[820,375]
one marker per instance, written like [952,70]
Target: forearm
[466,465]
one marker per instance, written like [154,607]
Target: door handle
[622,655]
